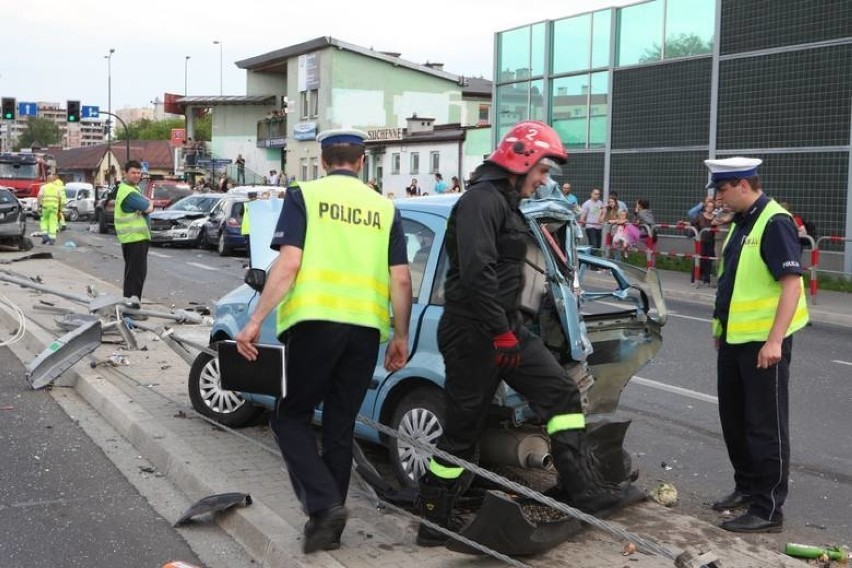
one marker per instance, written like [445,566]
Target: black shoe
[750,523]
[323,530]
[735,500]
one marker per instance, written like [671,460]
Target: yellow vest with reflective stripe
[50,195]
[756,292]
[344,272]
[130,227]
[245,226]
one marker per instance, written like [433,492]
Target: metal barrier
[815,252]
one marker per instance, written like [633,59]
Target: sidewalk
[147,403]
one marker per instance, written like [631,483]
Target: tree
[683,45]
[42,130]
[147,129]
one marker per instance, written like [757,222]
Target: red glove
[508,349]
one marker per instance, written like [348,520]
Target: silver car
[182,223]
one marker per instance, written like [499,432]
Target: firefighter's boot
[435,504]
[581,484]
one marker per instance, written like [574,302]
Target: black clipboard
[265,375]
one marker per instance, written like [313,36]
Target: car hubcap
[210,388]
[420,424]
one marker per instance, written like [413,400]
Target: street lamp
[185,74]
[219,43]
[109,112]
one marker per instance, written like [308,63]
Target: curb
[251,527]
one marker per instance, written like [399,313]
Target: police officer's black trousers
[472,378]
[333,364]
[753,409]
[135,267]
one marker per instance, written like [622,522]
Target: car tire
[419,414]
[73,215]
[223,247]
[102,226]
[200,240]
[208,398]
[25,243]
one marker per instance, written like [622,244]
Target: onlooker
[374,185]
[440,184]
[591,217]
[456,185]
[801,227]
[569,197]
[272,178]
[241,169]
[645,220]
[707,239]
[622,206]
[611,224]
[413,190]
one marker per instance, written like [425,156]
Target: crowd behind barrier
[647,245]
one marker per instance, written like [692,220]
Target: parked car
[182,222]
[79,201]
[13,221]
[615,334]
[223,229]
[163,193]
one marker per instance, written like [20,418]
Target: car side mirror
[256,279]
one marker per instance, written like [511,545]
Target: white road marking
[160,255]
[839,362]
[705,320]
[676,390]
[202,266]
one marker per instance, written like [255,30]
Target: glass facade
[630,91]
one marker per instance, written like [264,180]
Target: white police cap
[341,136]
[731,169]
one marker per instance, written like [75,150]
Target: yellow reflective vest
[130,227]
[756,292]
[344,272]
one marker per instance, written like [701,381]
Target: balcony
[272,132]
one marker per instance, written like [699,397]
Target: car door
[214,222]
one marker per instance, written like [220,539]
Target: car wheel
[25,243]
[419,415]
[223,248]
[200,240]
[102,226]
[208,398]
[73,215]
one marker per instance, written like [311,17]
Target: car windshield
[18,171]
[195,203]
[170,191]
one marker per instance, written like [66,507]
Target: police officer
[760,303]
[132,229]
[341,257]
[483,341]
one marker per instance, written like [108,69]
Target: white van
[79,201]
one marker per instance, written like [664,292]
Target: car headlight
[196,224]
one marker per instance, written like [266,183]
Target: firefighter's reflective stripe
[562,422]
[444,472]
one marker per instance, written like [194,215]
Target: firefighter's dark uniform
[486,245]
[753,402]
[331,350]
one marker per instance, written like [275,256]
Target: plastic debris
[822,553]
[665,494]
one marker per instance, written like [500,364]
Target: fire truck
[25,173]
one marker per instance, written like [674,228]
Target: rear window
[170,191]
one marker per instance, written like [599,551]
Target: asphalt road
[675,433]
[64,502]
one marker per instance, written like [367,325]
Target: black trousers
[472,378]
[594,236]
[754,412]
[333,364]
[135,267]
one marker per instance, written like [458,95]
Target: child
[626,234]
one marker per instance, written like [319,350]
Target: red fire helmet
[526,144]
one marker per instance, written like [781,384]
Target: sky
[55,50]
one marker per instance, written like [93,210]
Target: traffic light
[8,108]
[73,111]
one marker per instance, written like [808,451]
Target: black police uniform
[486,246]
[330,363]
[753,403]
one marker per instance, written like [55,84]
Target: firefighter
[483,341]
[760,303]
[51,200]
[342,259]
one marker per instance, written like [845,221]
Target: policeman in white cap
[760,303]
[342,262]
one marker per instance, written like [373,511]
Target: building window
[640,31]
[395,163]
[484,115]
[304,104]
[434,162]
[572,41]
[689,28]
[314,168]
[314,98]
[415,163]
[303,166]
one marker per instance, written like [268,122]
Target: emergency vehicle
[25,173]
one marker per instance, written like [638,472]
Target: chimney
[435,66]
[417,124]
